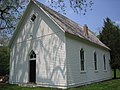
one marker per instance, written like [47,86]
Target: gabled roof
[70,26]
[67,25]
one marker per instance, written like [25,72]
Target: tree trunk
[114,73]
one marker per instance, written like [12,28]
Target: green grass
[106,85]
[16,87]
[117,73]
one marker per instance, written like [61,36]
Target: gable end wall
[48,42]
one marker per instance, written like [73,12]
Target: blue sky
[95,18]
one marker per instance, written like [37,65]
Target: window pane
[104,62]
[82,59]
[32,54]
[95,60]
[82,65]
[33,17]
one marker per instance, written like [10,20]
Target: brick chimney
[85,29]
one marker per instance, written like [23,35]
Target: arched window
[104,60]
[82,59]
[95,60]
[32,54]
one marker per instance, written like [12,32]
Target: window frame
[82,60]
[104,63]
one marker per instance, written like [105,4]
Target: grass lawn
[117,73]
[106,85]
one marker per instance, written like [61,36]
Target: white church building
[50,50]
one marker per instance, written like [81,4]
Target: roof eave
[107,48]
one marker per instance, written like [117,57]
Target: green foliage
[110,36]
[117,73]
[4,60]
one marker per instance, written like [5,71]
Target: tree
[110,36]
[4,60]
[3,39]
[76,5]
[10,13]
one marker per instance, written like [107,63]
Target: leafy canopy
[110,36]
[4,60]
[76,5]
[10,13]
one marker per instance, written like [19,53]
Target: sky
[94,19]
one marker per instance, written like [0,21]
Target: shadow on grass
[4,86]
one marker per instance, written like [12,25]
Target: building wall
[48,42]
[76,77]
[57,56]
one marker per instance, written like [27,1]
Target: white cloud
[117,22]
